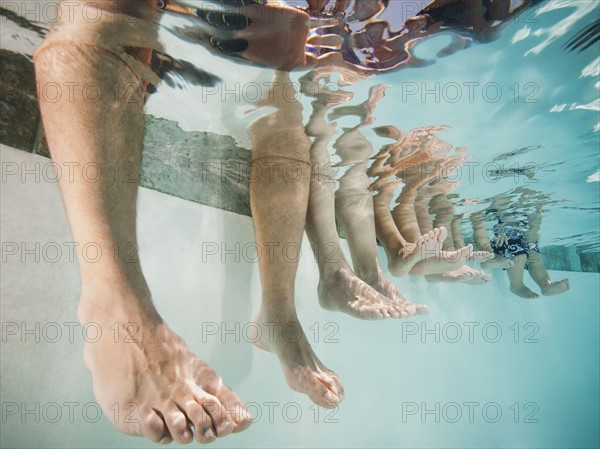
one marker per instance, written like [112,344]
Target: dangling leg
[515,276]
[354,209]
[482,243]
[140,364]
[279,193]
[402,255]
[339,288]
[450,259]
[536,267]
[455,254]
[538,273]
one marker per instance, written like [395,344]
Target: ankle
[331,273]
[278,314]
[111,299]
[371,277]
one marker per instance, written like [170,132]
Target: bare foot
[146,380]
[523,292]
[346,292]
[481,256]
[282,334]
[389,290]
[497,262]
[426,246]
[445,262]
[464,275]
[556,287]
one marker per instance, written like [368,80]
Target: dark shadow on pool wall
[202,167]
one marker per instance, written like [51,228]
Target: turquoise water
[547,363]
[495,98]
[483,369]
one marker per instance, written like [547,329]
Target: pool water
[483,369]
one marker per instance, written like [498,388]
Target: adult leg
[451,259]
[451,266]
[355,211]
[404,214]
[146,367]
[339,288]
[279,193]
[354,201]
[402,255]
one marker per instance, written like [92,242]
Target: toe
[367,311]
[201,421]
[337,383]
[340,387]
[323,391]
[178,425]
[235,408]
[221,422]
[411,309]
[154,427]
[443,234]
[422,309]
[394,310]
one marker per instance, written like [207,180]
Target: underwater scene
[300,223]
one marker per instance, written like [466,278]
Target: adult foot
[497,262]
[556,287]
[145,378]
[464,275]
[427,246]
[345,292]
[523,292]
[445,262]
[481,256]
[389,290]
[282,334]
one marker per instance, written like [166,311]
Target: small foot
[556,287]
[481,256]
[497,262]
[523,292]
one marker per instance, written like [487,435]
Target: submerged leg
[482,243]
[402,255]
[539,274]
[148,368]
[537,269]
[354,209]
[339,288]
[354,201]
[279,193]
[455,254]
[404,214]
[515,276]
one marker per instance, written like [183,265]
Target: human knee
[125,37]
